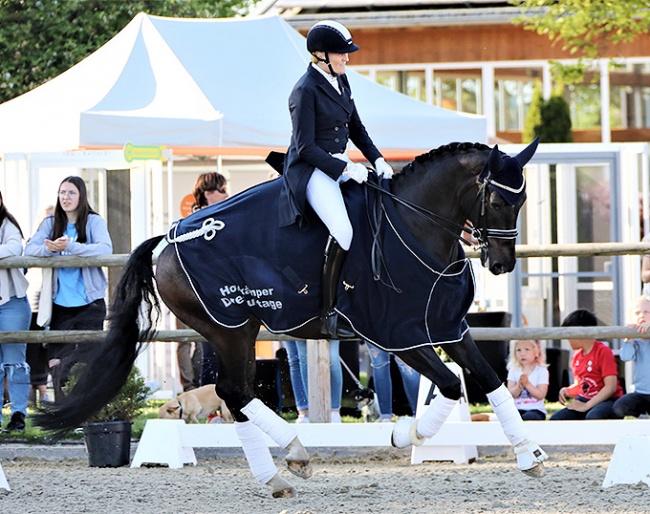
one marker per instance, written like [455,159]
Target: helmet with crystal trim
[330,36]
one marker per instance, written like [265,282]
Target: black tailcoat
[322,122]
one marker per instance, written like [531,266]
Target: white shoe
[335,417]
[302,419]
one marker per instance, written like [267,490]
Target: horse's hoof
[530,458]
[537,471]
[301,469]
[280,488]
[405,433]
[298,459]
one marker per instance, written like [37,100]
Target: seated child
[528,379]
[638,351]
[595,387]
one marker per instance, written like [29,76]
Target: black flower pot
[108,443]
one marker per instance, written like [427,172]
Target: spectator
[383,385]
[297,356]
[209,188]
[637,403]
[528,379]
[14,315]
[645,268]
[595,387]
[77,293]
[37,352]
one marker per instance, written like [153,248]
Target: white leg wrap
[503,406]
[434,416]
[270,423]
[256,450]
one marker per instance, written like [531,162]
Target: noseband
[482,230]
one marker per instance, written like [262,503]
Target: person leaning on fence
[595,387]
[77,293]
[528,378]
[637,351]
[15,314]
[209,188]
[37,352]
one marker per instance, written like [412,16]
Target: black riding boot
[334,259]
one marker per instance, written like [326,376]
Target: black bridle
[480,233]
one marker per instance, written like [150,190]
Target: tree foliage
[586,29]
[534,115]
[40,39]
[555,125]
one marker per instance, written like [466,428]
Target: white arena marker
[3,480]
[630,462]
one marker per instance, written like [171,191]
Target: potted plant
[108,433]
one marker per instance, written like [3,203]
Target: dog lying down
[194,405]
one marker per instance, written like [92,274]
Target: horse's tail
[109,363]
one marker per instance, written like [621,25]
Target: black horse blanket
[239,262]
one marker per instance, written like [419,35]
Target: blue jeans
[632,404]
[295,374]
[604,410]
[15,315]
[336,374]
[380,363]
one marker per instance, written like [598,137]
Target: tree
[534,115]
[40,39]
[555,126]
[585,28]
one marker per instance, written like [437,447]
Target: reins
[441,221]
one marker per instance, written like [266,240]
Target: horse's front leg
[426,361]
[530,456]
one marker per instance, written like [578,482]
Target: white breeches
[324,195]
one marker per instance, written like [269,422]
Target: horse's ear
[527,153]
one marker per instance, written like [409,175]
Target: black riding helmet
[329,37]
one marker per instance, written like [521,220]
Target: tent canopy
[205,84]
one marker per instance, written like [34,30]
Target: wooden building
[470,56]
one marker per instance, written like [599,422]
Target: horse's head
[502,193]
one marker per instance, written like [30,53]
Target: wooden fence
[481,334]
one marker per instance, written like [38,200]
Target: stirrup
[331,327]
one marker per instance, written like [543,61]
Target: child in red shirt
[596,386]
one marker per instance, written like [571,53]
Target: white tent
[204,84]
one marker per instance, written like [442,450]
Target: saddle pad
[240,263]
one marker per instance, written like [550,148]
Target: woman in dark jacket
[324,118]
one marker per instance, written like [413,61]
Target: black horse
[429,205]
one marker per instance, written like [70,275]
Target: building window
[513,93]
[458,90]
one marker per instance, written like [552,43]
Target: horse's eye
[496,206]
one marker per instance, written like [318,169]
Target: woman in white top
[15,314]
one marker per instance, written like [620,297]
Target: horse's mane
[436,153]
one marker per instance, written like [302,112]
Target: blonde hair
[513,363]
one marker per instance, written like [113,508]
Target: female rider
[324,118]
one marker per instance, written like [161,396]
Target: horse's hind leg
[530,456]
[235,353]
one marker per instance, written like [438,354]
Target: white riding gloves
[357,172]
[383,169]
